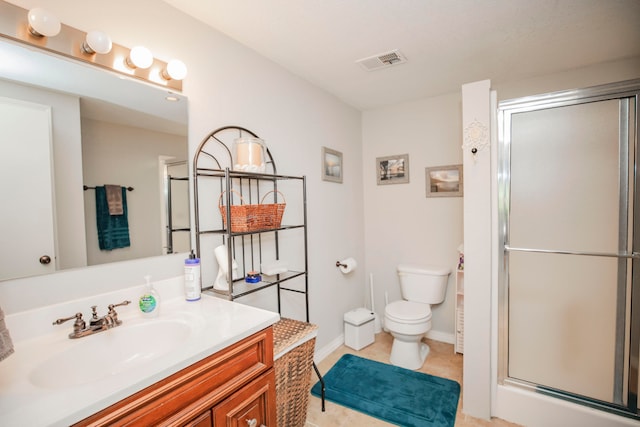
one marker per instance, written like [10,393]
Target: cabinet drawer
[253,406]
[185,395]
[204,420]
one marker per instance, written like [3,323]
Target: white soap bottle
[192,281]
[149,301]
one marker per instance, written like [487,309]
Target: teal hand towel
[113,230]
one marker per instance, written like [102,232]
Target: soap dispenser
[192,281]
[149,301]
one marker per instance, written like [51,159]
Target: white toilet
[409,319]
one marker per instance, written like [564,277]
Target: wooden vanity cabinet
[233,387]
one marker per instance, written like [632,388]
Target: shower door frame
[625,393]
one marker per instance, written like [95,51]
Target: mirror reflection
[66,125]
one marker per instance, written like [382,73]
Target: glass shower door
[568,242]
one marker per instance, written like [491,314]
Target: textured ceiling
[447,42]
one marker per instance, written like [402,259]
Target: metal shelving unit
[213,179]
[252,247]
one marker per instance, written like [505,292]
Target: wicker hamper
[293,348]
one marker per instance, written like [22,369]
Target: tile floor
[441,362]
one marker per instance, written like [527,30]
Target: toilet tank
[427,285]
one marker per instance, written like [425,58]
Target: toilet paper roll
[348,265]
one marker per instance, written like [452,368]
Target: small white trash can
[359,328]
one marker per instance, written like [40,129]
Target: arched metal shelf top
[215,149]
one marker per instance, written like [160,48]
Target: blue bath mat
[390,393]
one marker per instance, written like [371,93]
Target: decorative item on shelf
[253,277]
[222,279]
[247,217]
[249,155]
[461,257]
[275,267]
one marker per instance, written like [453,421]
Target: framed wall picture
[444,181]
[392,169]
[331,165]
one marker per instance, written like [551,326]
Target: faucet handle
[77,316]
[112,311]
[78,325]
[112,306]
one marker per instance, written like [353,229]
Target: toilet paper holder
[346,265]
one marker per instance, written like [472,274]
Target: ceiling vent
[382,60]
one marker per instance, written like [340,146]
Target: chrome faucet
[96,324]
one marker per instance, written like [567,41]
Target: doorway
[569,286]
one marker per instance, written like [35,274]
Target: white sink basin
[52,380]
[109,353]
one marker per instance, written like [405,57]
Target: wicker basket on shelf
[248,217]
[293,348]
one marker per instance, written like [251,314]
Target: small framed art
[444,181]
[331,165]
[393,169]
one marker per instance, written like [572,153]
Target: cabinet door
[252,406]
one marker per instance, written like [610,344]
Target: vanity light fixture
[175,70]
[97,42]
[139,57]
[37,27]
[43,23]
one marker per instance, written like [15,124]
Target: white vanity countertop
[214,324]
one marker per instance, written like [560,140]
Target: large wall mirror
[65,126]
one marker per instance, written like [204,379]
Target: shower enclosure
[569,219]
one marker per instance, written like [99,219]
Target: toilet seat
[408,312]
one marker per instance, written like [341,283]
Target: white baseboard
[323,352]
[442,337]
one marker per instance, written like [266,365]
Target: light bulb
[97,42]
[139,57]
[43,23]
[175,70]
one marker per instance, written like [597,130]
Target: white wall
[127,156]
[229,84]
[402,225]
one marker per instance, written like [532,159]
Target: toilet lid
[409,311]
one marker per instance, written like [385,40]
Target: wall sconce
[139,57]
[97,42]
[43,23]
[175,70]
